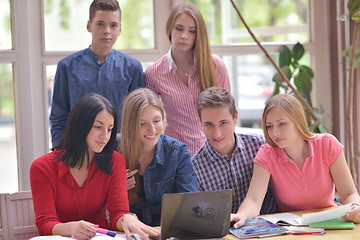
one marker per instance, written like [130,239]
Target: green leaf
[353,5]
[285,56]
[304,85]
[308,70]
[298,51]
[278,79]
[356,17]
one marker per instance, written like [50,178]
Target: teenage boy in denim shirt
[97,69]
[226,159]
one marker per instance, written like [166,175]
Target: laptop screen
[196,214]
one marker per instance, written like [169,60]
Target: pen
[307,233]
[106,232]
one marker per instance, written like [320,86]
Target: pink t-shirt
[180,101]
[307,188]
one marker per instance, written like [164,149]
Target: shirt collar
[282,154]
[96,58]
[171,63]
[159,156]
[212,151]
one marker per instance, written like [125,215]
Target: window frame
[30,60]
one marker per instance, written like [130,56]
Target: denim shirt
[80,74]
[169,172]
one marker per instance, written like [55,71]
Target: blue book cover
[258,227]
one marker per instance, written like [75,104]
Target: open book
[306,219]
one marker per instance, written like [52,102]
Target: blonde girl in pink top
[304,168]
[186,70]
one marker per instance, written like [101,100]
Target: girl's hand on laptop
[237,219]
[131,224]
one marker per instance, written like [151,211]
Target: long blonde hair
[204,61]
[130,146]
[292,107]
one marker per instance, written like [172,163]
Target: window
[46,31]
[69,18]
[8,153]
[250,72]
[5,25]
[8,144]
[271,21]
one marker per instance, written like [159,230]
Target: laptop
[193,215]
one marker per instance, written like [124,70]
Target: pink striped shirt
[180,101]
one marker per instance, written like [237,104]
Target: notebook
[258,227]
[196,214]
[336,223]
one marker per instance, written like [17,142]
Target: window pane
[270,21]
[5,25]
[251,85]
[8,161]
[65,25]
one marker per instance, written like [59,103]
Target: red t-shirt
[58,199]
[308,188]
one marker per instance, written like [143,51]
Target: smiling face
[219,125]
[183,34]
[100,132]
[281,129]
[151,126]
[105,28]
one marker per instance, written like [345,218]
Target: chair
[20,216]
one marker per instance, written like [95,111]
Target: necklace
[81,214]
[186,74]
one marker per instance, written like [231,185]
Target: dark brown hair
[104,5]
[73,148]
[216,97]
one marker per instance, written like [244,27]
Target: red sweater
[58,199]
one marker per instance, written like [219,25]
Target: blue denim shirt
[80,74]
[169,172]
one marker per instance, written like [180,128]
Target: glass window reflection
[270,21]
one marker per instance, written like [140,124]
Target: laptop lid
[196,214]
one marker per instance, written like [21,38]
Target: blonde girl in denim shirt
[156,163]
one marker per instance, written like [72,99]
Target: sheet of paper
[98,236]
[289,218]
[325,215]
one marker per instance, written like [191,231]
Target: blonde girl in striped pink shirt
[187,69]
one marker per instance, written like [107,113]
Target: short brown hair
[292,107]
[104,5]
[216,97]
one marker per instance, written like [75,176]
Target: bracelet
[132,214]
[355,204]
